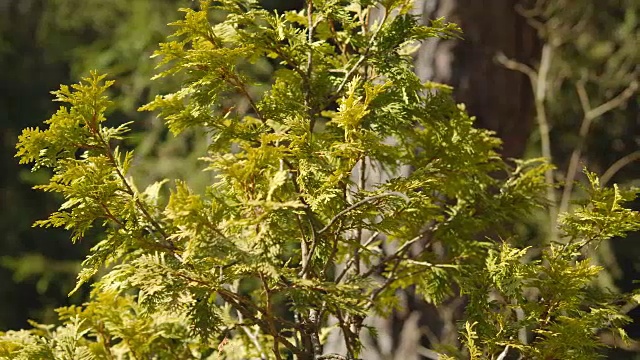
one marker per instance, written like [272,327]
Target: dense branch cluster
[293,239]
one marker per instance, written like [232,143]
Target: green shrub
[312,213]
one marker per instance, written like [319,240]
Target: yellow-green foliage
[288,233]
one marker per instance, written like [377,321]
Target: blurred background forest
[555,78]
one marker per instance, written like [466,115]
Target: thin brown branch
[334,250]
[583,96]
[360,61]
[511,64]
[213,228]
[252,336]
[295,67]
[353,258]
[310,251]
[609,339]
[270,318]
[104,338]
[132,352]
[310,29]
[332,357]
[398,254]
[110,215]
[540,90]
[536,10]
[360,203]
[614,103]
[240,85]
[303,235]
[574,161]
[617,166]
[539,81]
[313,329]
[239,303]
[313,219]
[390,279]
[94,128]
[589,116]
[307,250]
[307,79]
[362,183]
[346,332]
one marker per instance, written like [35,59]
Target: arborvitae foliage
[292,240]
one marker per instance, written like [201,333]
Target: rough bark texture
[500,99]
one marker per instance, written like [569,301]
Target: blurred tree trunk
[501,100]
